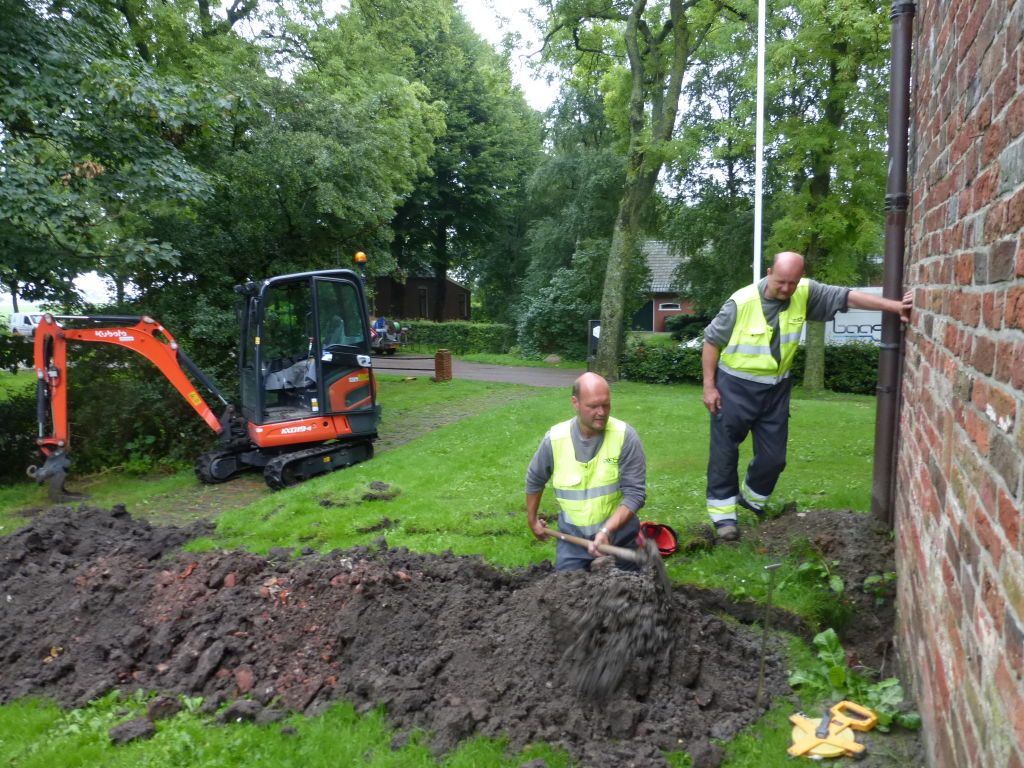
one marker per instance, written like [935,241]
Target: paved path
[409,365]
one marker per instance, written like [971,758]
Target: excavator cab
[305,349]
[306,378]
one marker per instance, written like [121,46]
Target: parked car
[24,323]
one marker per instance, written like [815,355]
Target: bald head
[592,401]
[784,275]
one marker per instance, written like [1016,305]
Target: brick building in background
[664,301]
[960,473]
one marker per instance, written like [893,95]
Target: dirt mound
[93,600]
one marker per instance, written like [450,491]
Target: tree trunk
[13,288]
[814,366]
[440,264]
[621,258]
[648,136]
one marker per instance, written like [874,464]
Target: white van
[24,323]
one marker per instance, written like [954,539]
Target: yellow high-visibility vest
[589,492]
[749,352]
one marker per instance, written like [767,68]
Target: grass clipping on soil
[608,665]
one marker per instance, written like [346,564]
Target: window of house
[668,307]
[463,304]
[421,295]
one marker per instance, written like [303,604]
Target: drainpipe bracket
[901,9]
[897,202]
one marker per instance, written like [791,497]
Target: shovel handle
[622,553]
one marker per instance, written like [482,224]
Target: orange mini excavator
[308,395]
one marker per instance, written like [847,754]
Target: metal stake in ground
[764,631]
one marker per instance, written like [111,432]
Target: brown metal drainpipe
[897,201]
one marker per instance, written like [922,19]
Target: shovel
[631,555]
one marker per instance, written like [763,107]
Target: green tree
[656,41]
[94,141]
[317,171]
[709,219]
[464,209]
[829,63]
[825,143]
[574,196]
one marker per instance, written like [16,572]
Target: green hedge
[851,367]
[18,437]
[848,367]
[661,365]
[462,337]
[686,326]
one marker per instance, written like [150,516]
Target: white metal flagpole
[759,140]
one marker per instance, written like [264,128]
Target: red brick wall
[960,487]
[660,315]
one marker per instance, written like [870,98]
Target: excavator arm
[146,337]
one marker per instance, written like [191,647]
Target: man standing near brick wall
[748,351]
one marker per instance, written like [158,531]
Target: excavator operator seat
[293,376]
[335,333]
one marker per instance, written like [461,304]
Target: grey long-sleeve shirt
[823,302]
[632,464]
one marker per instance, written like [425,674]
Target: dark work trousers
[747,408]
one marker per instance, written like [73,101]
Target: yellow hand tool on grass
[832,735]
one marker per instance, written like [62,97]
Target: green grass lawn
[459,487]
[482,461]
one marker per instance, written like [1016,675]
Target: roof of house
[662,264]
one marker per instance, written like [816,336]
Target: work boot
[726,530]
[742,501]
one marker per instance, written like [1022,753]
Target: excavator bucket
[54,472]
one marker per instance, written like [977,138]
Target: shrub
[661,365]
[122,413]
[14,352]
[461,337]
[18,437]
[122,408]
[682,327]
[555,316]
[851,368]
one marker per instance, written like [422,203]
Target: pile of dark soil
[93,600]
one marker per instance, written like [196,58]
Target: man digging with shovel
[597,467]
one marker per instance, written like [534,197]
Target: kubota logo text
[293,430]
[110,334]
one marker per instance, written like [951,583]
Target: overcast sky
[492,25]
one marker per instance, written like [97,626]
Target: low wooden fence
[440,364]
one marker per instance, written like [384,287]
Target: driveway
[422,365]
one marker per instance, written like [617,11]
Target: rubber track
[274,472]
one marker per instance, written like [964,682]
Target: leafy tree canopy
[94,142]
